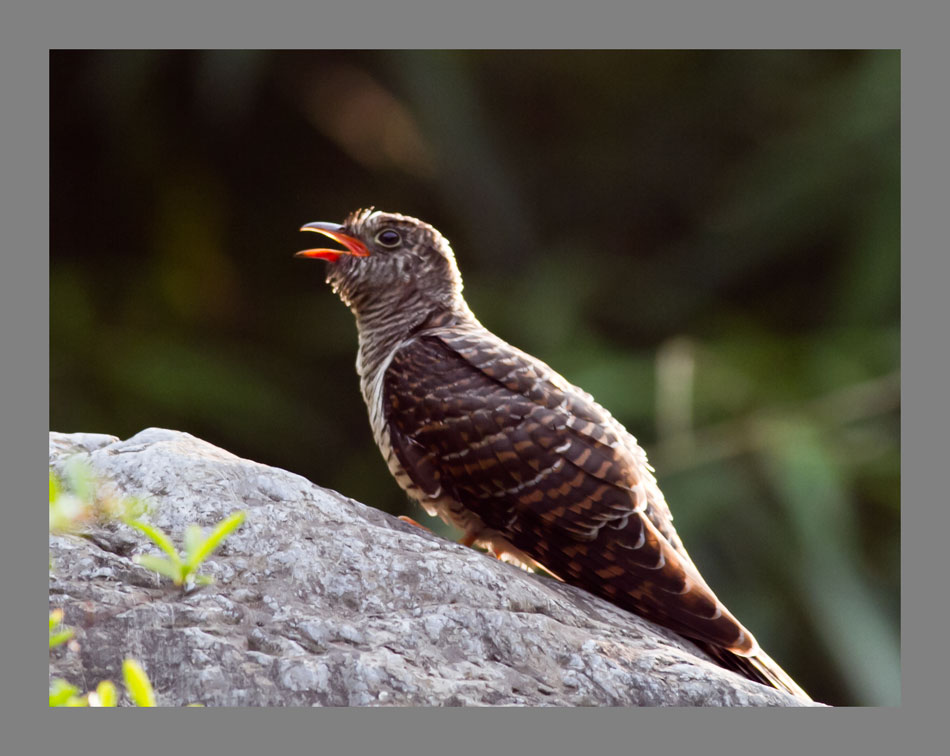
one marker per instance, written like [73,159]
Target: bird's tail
[759,667]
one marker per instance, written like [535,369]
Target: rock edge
[319,600]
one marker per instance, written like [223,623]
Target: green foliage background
[707,241]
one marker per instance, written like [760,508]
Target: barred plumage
[497,443]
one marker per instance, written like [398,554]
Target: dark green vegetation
[708,242]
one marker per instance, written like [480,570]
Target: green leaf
[158,536]
[162,566]
[132,508]
[137,682]
[55,617]
[57,639]
[105,695]
[61,693]
[221,531]
[81,479]
[54,488]
[193,539]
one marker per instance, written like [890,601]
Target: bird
[498,444]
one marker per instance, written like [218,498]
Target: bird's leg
[470,537]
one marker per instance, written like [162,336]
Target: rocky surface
[321,600]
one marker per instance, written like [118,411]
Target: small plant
[198,547]
[80,497]
[58,634]
[66,510]
[104,695]
[61,693]
[137,683]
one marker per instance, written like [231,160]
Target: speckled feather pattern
[477,424]
[497,443]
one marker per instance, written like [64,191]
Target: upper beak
[335,231]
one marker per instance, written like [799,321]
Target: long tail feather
[760,668]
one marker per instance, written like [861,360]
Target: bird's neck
[386,322]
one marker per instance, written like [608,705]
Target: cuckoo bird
[498,444]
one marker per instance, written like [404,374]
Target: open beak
[335,231]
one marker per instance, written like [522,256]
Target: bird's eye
[388,238]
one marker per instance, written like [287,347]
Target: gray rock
[321,600]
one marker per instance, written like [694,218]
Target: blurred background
[706,241]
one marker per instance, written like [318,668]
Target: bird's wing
[539,461]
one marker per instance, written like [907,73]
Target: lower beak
[335,231]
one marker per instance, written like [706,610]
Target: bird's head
[387,258]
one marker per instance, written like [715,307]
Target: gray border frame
[913,27]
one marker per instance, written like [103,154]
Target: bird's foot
[472,535]
[466,540]
[469,538]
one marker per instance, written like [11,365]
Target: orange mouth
[335,231]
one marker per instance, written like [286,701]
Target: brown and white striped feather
[478,424]
[497,443]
